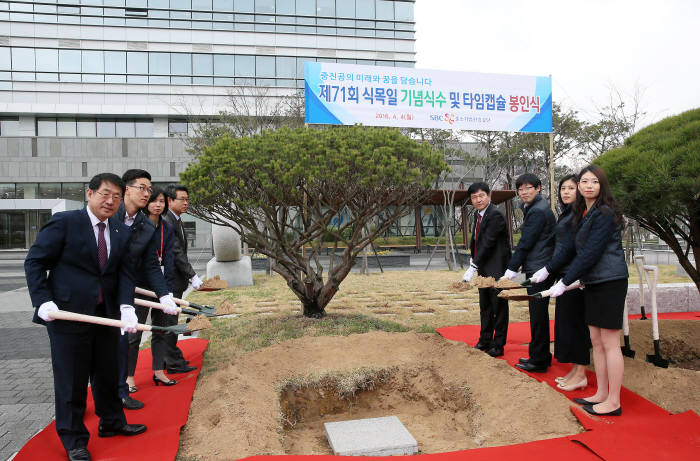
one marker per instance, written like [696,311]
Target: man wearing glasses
[533,251]
[142,254]
[178,203]
[84,252]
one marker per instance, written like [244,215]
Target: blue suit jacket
[67,249]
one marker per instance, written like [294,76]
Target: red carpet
[165,413]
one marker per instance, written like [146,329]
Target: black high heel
[157,381]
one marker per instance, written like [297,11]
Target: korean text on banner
[344,94]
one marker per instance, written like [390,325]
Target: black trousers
[494,317]
[173,354]
[572,338]
[539,324]
[77,358]
[158,345]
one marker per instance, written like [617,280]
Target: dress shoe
[157,381]
[495,351]
[524,360]
[78,454]
[481,346]
[589,409]
[532,367]
[131,403]
[560,379]
[585,402]
[182,369]
[573,386]
[126,429]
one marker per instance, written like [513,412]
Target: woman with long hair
[601,267]
[572,340]
[156,206]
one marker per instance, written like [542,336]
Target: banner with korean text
[346,94]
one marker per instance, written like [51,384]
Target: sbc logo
[449,118]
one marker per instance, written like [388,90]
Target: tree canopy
[281,190]
[655,176]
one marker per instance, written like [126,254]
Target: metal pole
[552,192]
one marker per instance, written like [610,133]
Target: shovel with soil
[526,297]
[199,323]
[203,309]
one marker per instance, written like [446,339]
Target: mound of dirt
[448,395]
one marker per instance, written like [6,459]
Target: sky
[588,46]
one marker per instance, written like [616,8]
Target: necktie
[476,232]
[101,252]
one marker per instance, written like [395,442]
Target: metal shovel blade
[209,311]
[175,329]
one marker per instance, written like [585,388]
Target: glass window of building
[49,190]
[137,63]
[125,129]
[165,4]
[9,127]
[286,6]
[245,66]
[69,61]
[364,9]
[223,5]
[264,6]
[93,66]
[385,10]
[23,59]
[7,191]
[404,11]
[5,62]
[105,129]
[46,60]
[286,67]
[144,128]
[244,6]
[201,5]
[27,190]
[73,191]
[177,128]
[87,128]
[325,8]
[203,68]
[181,68]
[159,68]
[223,69]
[46,127]
[115,62]
[265,66]
[306,7]
[345,8]
[66,127]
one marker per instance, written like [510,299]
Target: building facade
[88,86]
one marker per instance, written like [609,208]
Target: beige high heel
[572,387]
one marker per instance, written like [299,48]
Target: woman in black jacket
[156,206]
[600,265]
[572,342]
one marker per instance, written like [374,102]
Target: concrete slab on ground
[383,436]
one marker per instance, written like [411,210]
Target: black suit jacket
[67,249]
[183,269]
[142,253]
[492,248]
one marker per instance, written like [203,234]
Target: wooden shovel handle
[547,293]
[75,317]
[144,303]
[152,294]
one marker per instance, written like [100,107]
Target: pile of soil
[201,322]
[226,307]
[214,283]
[448,395]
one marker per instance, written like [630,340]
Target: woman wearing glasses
[600,265]
[154,209]
[572,342]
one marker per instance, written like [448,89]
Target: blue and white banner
[346,94]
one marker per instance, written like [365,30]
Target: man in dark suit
[490,254]
[178,202]
[533,251]
[143,258]
[83,251]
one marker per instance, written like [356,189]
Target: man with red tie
[490,254]
[83,252]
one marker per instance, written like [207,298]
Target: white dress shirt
[94,220]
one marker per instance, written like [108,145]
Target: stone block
[384,436]
[670,297]
[235,273]
[226,243]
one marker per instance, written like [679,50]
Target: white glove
[558,289]
[170,306]
[510,275]
[196,282]
[540,276]
[467,277]
[128,316]
[45,308]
